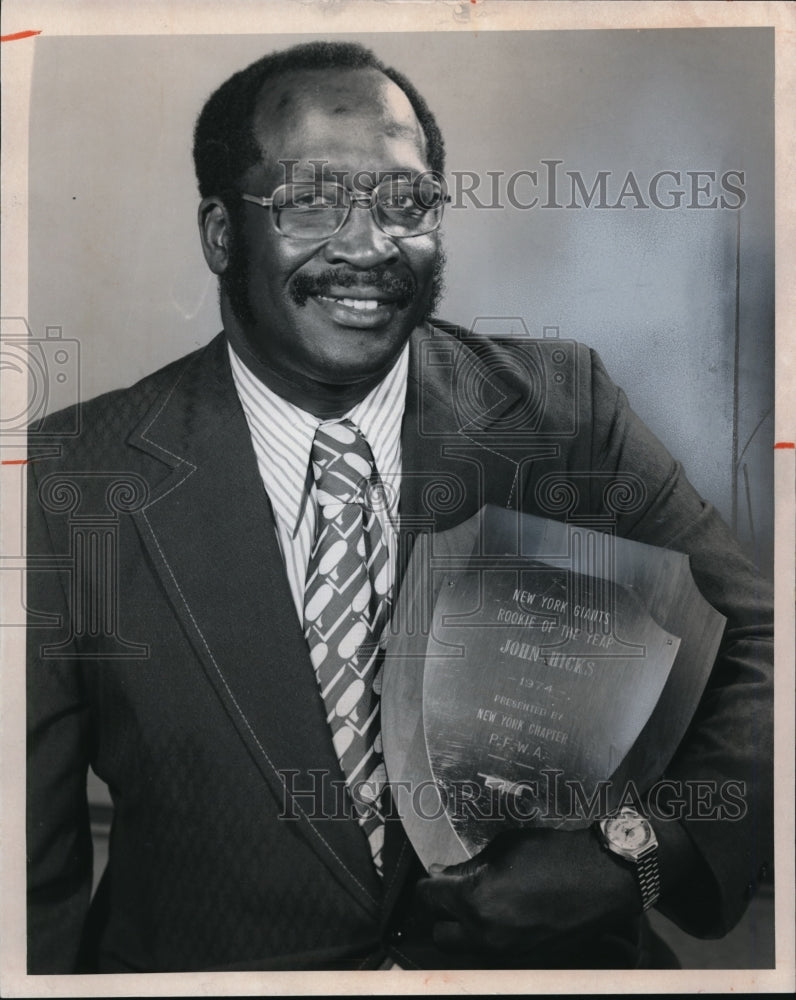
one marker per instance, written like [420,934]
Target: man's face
[338,310]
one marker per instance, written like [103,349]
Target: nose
[360,242]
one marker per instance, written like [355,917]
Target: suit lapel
[210,533]
[209,530]
[453,464]
[453,461]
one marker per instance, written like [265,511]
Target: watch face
[628,834]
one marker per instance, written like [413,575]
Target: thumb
[443,890]
[463,869]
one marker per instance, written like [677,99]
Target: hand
[526,888]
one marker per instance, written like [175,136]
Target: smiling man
[321,312]
[217,653]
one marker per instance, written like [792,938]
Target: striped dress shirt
[282,436]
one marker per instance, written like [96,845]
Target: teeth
[361,305]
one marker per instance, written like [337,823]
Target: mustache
[401,288]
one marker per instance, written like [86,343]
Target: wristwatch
[631,837]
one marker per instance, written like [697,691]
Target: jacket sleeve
[59,848]
[729,746]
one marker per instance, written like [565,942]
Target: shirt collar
[282,434]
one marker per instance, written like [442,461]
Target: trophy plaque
[534,669]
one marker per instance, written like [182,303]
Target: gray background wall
[678,303]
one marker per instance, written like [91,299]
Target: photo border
[202,17]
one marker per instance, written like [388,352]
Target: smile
[361,305]
[357,313]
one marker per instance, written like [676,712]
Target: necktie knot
[342,464]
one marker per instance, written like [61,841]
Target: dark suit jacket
[165,652]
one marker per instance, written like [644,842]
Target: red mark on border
[19,34]
[14,461]
[785,444]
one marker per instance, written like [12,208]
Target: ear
[214,232]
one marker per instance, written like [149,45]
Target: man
[185,657]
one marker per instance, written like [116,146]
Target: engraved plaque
[535,668]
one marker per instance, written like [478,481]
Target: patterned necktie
[346,606]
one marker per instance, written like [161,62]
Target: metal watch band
[649,879]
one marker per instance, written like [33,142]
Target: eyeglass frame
[365,199]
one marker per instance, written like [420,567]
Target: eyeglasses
[312,211]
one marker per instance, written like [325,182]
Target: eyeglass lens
[401,207]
